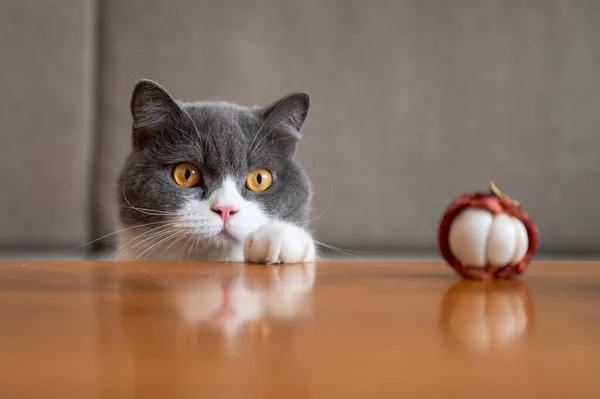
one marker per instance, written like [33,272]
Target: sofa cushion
[46,124]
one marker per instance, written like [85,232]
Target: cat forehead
[221,116]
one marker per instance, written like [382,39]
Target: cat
[214,181]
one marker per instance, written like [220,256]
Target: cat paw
[279,243]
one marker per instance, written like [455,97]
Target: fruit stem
[496,191]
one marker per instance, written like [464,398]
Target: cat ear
[284,118]
[289,112]
[152,108]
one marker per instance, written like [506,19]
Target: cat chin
[223,240]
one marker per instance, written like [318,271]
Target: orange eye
[259,180]
[186,175]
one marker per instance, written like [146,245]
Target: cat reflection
[487,316]
[193,320]
[243,298]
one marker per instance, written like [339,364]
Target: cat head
[214,170]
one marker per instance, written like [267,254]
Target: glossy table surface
[326,330]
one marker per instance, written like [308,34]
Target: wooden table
[330,330]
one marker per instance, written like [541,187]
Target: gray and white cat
[214,181]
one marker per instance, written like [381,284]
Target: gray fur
[221,139]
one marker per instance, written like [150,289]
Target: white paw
[279,243]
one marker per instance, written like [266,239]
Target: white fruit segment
[477,238]
[501,241]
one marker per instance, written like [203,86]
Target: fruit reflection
[486,316]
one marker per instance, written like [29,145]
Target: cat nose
[225,212]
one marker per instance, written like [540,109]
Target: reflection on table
[487,316]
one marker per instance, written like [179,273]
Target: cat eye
[186,175]
[259,180]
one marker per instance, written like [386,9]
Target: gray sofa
[414,102]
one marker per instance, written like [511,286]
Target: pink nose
[225,212]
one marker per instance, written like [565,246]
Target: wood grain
[326,330]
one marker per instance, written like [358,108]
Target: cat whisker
[349,252]
[113,233]
[147,233]
[165,239]
[165,236]
[182,236]
[340,250]
[143,238]
[321,255]
[328,204]
[191,243]
[152,212]
[194,246]
[152,239]
[269,155]
[185,244]
[193,123]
